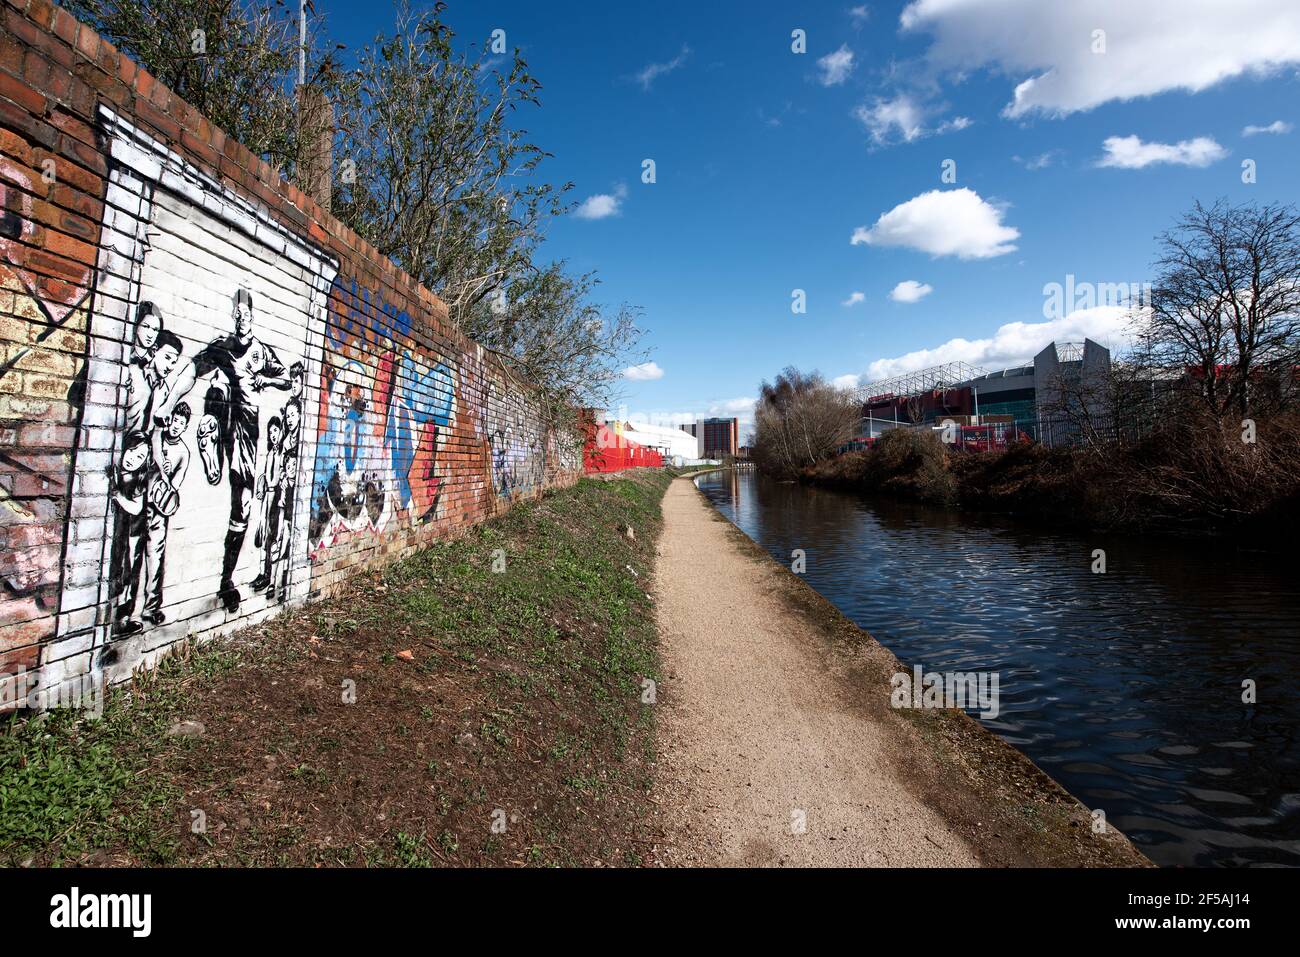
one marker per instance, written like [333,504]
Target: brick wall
[215,400]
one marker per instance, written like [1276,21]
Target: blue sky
[1069,159]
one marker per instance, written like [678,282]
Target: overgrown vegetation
[497,719]
[799,420]
[907,463]
[235,61]
[1194,474]
[432,165]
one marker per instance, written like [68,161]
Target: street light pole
[302,42]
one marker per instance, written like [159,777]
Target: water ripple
[1125,686]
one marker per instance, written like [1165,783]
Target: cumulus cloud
[902,119]
[1130,152]
[653,71]
[954,222]
[891,120]
[859,14]
[1277,126]
[729,407]
[1015,343]
[645,372]
[909,290]
[835,67]
[854,298]
[1150,47]
[602,205]
[849,381]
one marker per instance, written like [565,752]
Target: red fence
[609,451]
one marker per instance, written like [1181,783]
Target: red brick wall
[167,301]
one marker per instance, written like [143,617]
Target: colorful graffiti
[384,409]
[200,421]
[42,325]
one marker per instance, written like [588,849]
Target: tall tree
[235,61]
[1226,302]
[801,419]
[436,175]
[551,331]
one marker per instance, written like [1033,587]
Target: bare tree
[916,408]
[235,61]
[1226,303]
[440,179]
[557,338]
[801,419]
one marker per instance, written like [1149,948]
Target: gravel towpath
[764,757]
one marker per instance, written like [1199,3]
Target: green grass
[70,785]
[557,647]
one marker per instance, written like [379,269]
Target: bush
[1195,473]
[910,463]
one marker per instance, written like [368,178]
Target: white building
[672,442]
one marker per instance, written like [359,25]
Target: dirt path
[755,728]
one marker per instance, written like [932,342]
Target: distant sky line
[923,171]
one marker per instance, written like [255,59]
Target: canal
[1126,686]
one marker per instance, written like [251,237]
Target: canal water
[1126,686]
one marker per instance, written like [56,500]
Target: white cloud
[1041,161]
[859,14]
[903,119]
[645,372]
[909,290]
[854,299]
[902,114]
[732,406]
[741,408]
[849,381]
[836,66]
[1151,47]
[653,71]
[1015,343]
[1277,126]
[954,222]
[1129,152]
[602,205]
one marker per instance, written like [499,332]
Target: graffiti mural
[42,325]
[518,445]
[200,340]
[383,414]
[201,422]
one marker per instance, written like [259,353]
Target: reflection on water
[1126,686]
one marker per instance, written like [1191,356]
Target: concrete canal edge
[791,706]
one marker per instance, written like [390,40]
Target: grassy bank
[497,717]
[1190,477]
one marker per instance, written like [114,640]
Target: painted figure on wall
[418,407]
[347,489]
[171,460]
[127,481]
[138,532]
[237,366]
[278,490]
[270,493]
